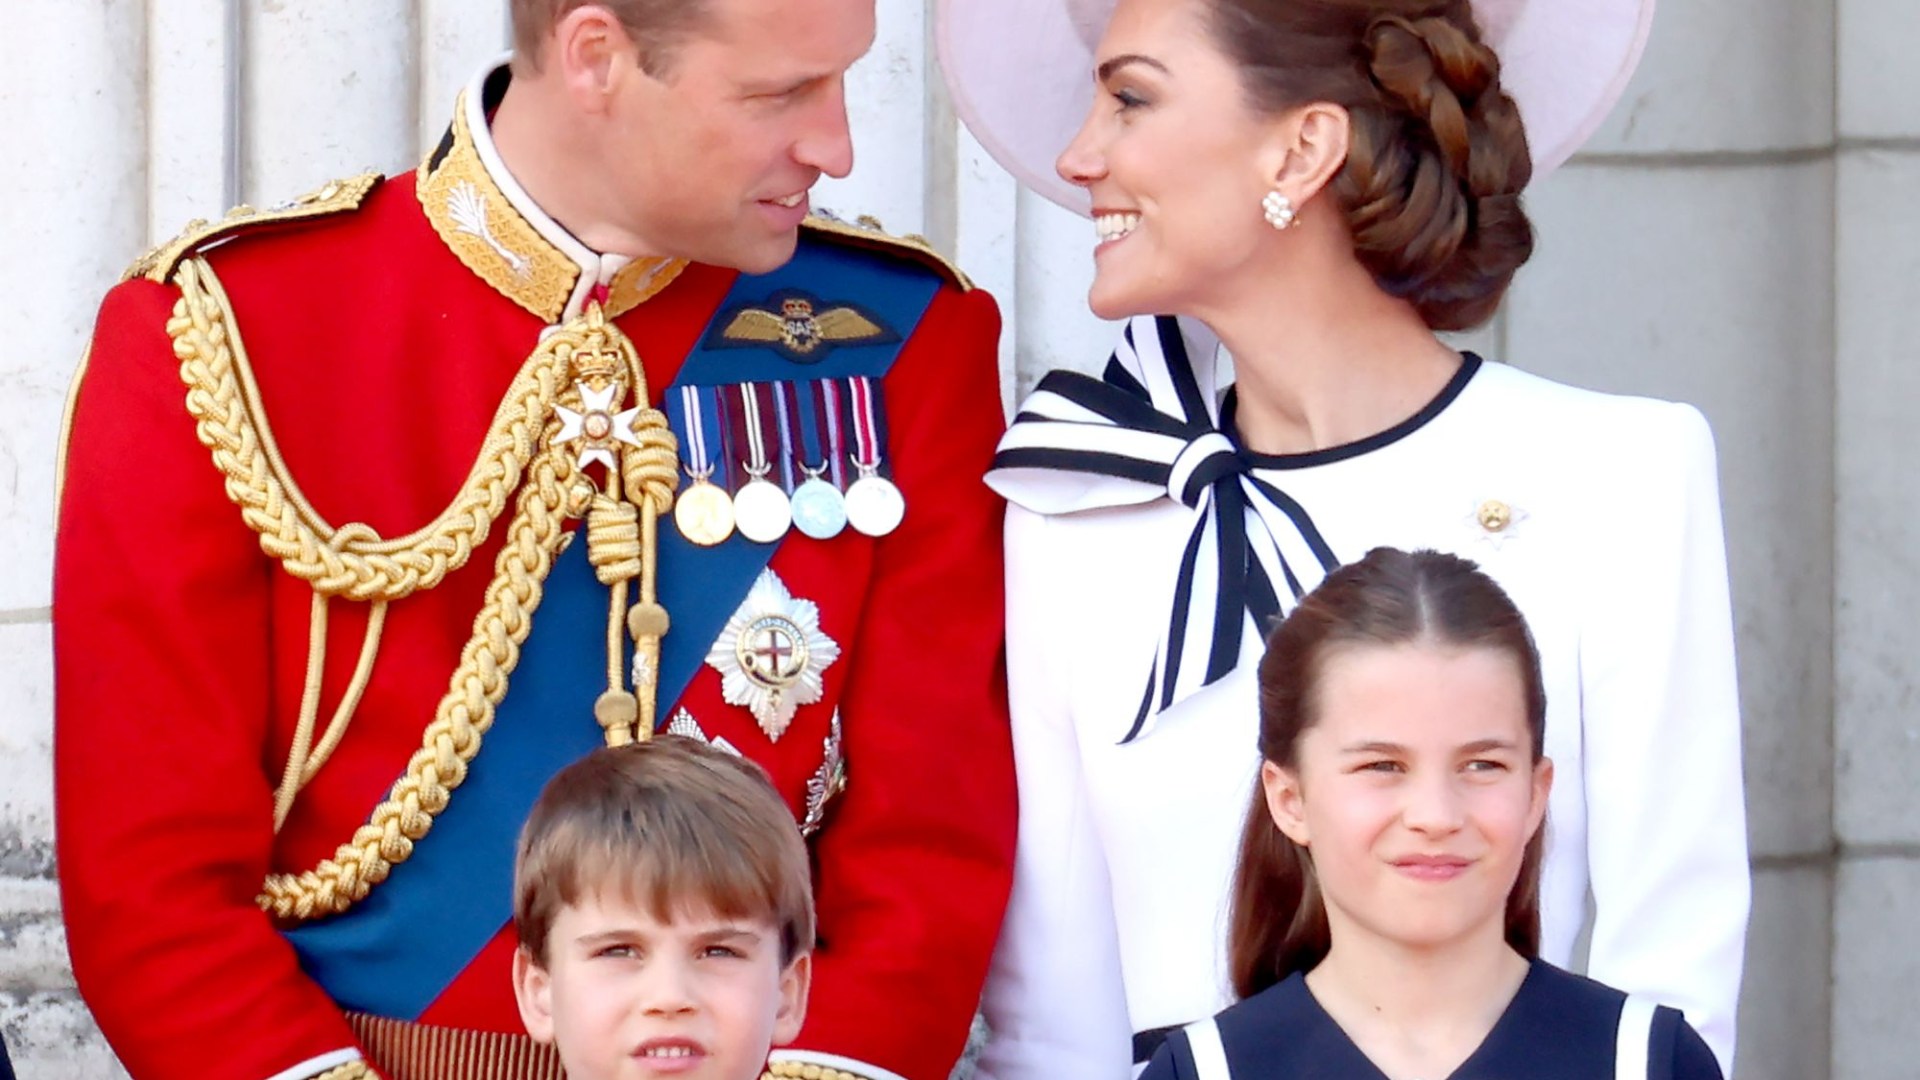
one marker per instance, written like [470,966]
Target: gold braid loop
[352,561]
[613,540]
[352,1070]
[652,469]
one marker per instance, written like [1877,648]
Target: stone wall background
[1741,235]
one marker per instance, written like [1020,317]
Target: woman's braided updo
[1437,155]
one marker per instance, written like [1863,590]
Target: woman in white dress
[1313,188]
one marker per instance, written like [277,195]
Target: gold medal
[704,513]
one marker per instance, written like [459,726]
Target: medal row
[764,458]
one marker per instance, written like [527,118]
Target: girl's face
[1415,792]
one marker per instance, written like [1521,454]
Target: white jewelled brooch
[772,654]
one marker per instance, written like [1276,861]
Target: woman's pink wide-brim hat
[1021,72]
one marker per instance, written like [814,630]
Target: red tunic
[181,652]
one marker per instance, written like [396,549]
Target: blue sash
[395,952]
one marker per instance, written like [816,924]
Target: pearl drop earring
[1279,210]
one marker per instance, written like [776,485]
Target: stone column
[1688,254]
[1876,962]
[75,174]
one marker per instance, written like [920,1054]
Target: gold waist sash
[406,1051]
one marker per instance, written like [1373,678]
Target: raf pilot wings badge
[800,327]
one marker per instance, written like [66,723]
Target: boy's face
[624,995]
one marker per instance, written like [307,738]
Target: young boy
[665,915]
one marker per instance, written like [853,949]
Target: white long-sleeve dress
[1612,547]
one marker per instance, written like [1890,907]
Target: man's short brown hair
[656,26]
[672,824]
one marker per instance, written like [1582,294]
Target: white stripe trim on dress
[1633,1044]
[1209,1054]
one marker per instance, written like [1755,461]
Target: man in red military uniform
[380,506]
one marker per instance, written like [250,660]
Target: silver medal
[874,505]
[819,510]
[761,511]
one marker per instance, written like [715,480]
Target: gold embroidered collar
[494,228]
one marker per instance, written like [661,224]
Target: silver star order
[597,427]
[773,701]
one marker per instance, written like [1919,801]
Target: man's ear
[795,982]
[1284,802]
[593,54]
[533,990]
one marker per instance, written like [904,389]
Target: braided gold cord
[462,718]
[296,767]
[356,689]
[352,561]
[352,1070]
[356,563]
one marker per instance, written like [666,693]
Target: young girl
[1385,918]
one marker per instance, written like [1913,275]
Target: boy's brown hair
[672,824]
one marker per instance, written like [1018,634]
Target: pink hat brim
[1021,73]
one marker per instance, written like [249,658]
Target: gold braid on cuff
[805,1070]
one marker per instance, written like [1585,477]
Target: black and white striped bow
[1147,430]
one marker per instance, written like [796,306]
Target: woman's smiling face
[1176,162]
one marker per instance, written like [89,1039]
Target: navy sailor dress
[1559,1026]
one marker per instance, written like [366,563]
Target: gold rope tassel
[623,527]
[651,473]
[613,546]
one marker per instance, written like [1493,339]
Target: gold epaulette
[335,197]
[866,231]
